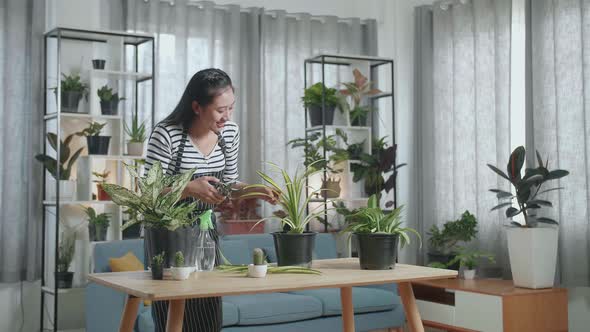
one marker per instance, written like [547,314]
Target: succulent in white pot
[137,136]
[258,267]
[180,271]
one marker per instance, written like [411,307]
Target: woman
[199,134]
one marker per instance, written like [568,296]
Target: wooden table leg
[129,314]
[175,315]
[347,309]
[412,315]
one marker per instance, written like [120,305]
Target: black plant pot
[97,233]
[64,279]
[294,249]
[132,232]
[377,251]
[98,144]
[315,115]
[109,107]
[157,271]
[159,239]
[70,101]
[98,63]
[444,259]
[359,122]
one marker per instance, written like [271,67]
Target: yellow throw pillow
[127,262]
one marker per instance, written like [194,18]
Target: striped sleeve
[159,149]
[230,173]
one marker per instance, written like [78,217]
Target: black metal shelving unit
[339,60]
[61,35]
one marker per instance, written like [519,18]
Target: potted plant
[97,144]
[312,100]
[100,193]
[169,225]
[98,63]
[180,271]
[532,249]
[357,91]
[109,101]
[442,244]
[293,245]
[258,267]
[468,260]
[157,266]
[137,135]
[72,90]
[63,277]
[378,235]
[67,187]
[97,224]
[133,231]
[240,216]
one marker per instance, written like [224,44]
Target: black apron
[201,314]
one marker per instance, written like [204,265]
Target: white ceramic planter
[181,273]
[468,274]
[134,149]
[257,271]
[533,256]
[67,190]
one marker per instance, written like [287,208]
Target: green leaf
[557,174]
[540,202]
[512,211]
[516,162]
[539,159]
[499,206]
[498,171]
[547,220]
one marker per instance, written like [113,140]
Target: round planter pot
[257,271]
[70,101]
[533,256]
[468,274]
[132,232]
[157,272]
[181,273]
[98,63]
[135,148]
[64,279]
[158,239]
[294,249]
[97,233]
[444,259]
[377,251]
[98,144]
[315,115]
[362,122]
[109,107]
[101,194]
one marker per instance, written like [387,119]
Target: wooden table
[458,305]
[343,273]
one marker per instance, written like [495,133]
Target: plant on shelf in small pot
[137,136]
[72,91]
[157,266]
[378,235]
[442,244]
[357,91]
[97,144]
[180,271]
[312,100]
[98,224]
[532,249]
[109,101]
[293,246]
[101,195]
[67,187]
[98,63]
[133,231]
[63,277]
[258,267]
[469,260]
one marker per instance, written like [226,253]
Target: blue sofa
[375,307]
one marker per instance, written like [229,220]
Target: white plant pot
[533,256]
[181,273]
[468,274]
[134,149]
[67,190]
[257,271]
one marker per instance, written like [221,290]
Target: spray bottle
[205,243]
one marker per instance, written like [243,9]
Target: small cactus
[179,259]
[158,260]
[258,257]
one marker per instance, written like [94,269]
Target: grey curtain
[21,109]
[561,122]
[462,115]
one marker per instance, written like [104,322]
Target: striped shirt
[165,141]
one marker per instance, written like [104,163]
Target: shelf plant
[314,97]
[97,144]
[98,224]
[63,277]
[72,91]
[101,195]
[137,136]
[358,91]
[109,100]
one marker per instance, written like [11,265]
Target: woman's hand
[263,193]
[201,189]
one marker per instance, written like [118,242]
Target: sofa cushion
[145,323]
[364,299]
[105,250]
[274,308]
[125,263]
[236,251]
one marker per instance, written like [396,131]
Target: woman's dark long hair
[203,87]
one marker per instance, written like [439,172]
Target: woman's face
[218,112]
